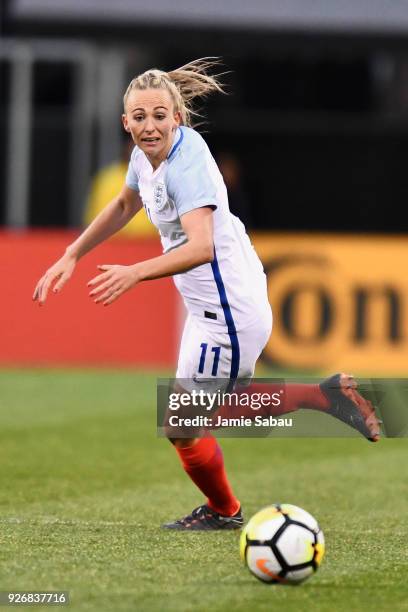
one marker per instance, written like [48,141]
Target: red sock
[204,463]
[294,396]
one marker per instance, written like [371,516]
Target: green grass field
[86,484]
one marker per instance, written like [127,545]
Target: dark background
[317,122]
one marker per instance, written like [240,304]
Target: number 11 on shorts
[216,350]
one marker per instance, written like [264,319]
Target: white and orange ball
[282,544]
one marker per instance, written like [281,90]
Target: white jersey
[230,293]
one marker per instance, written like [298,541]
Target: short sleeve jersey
[230,291]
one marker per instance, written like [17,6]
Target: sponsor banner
[340,303]
[140,329]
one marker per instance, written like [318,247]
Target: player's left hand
[113,281]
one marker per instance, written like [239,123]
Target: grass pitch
[86,484]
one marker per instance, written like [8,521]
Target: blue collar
[176,144]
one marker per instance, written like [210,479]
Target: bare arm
[110,220]
[199,249]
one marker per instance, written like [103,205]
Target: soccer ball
[282,544]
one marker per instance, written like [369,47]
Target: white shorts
[207,354]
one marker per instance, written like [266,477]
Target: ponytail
[184,85]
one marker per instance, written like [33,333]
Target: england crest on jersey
[160,196]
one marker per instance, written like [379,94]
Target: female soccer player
[173,175]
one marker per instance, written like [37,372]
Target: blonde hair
[183,84]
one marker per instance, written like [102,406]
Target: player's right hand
[61,271]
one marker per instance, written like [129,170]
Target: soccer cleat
[347,405]
[205,518]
